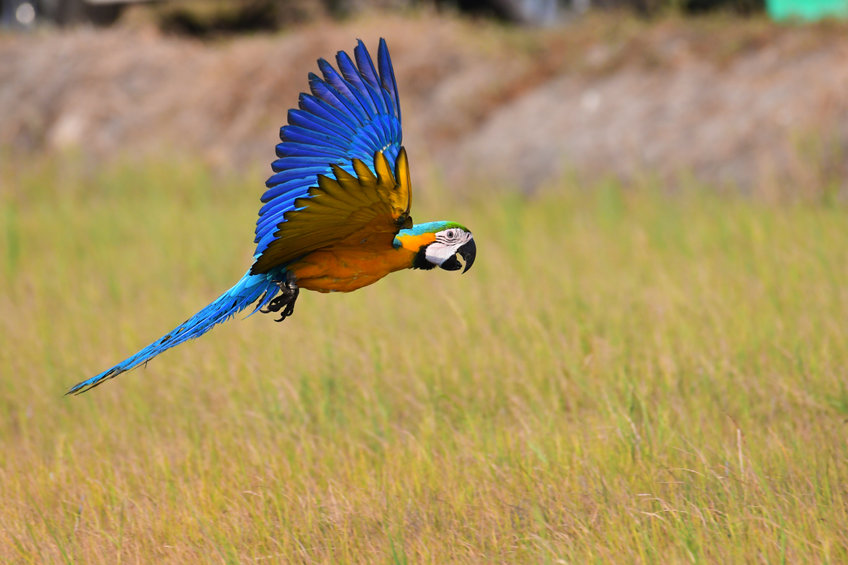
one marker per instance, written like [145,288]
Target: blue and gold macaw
[336,210]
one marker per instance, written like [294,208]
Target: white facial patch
[437,253]
[446,245]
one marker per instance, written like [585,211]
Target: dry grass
[622,377]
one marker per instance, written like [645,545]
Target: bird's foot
[284,302]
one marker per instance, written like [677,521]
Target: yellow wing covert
[352,210]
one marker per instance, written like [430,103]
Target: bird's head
[437,244]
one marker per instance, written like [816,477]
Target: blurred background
[730,93]
[646,364]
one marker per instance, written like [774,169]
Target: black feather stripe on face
[420,261]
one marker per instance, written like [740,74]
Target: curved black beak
[468,252]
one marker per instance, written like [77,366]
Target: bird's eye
[451,234]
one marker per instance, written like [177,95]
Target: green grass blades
[624,376]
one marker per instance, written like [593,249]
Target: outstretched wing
[350,116]
[360,209]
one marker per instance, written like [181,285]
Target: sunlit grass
[624,375]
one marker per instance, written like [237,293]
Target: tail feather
[244,293]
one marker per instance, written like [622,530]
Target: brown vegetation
[728,101]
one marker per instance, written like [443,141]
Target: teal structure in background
[808,10]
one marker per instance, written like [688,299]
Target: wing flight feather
[340,151]
[341,206]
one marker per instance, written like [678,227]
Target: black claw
[284,303]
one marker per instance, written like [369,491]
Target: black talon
[285,301]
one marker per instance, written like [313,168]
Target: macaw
[335,216]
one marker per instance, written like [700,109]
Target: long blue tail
[244,293]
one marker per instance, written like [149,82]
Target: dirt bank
[745,103]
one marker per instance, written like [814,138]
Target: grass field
[624,376]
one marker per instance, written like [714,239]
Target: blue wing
[351,114]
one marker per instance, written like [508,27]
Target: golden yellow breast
[347,268]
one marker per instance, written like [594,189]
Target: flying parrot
[335,215]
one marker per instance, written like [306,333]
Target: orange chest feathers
[347,268]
